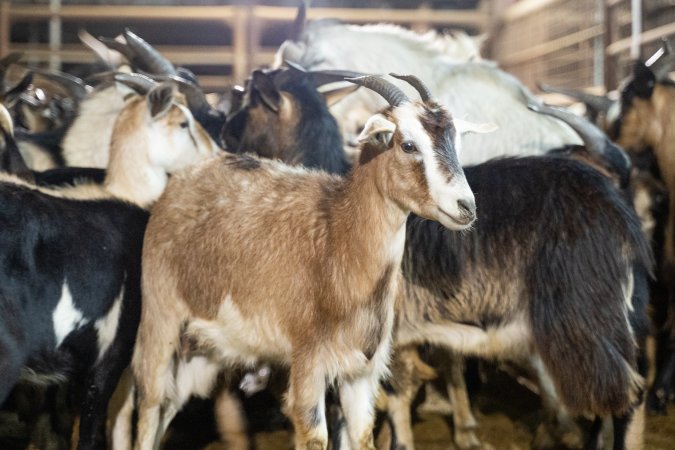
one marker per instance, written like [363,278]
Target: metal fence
[577,43]
[221,43]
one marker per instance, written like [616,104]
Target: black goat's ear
[332,96]
[160,99]
[643,80]
[10,97]
[262,87]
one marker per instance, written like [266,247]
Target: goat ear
[263,86]
[160,99]
[13,95]
[334,95]
[379,130]
[643,80]
[469,127]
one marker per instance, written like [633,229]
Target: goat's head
[160,121]
[421,140]
[281,115]
[646,104]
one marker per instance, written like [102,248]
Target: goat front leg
[306,404]
[357,398]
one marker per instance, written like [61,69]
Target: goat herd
[449,208]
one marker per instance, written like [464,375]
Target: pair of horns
[389,91]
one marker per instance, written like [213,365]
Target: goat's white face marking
[106,326]
[66,316]
[445,193]
[175,146]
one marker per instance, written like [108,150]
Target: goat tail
[588,324]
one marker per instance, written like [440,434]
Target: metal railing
[245,24]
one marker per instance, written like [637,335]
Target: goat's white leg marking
[307,404]
[357,398]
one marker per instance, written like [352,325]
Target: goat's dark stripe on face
[438,125]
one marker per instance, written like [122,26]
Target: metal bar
[635,28]
[648,36]
[545,48]
[4,28]
[54,34]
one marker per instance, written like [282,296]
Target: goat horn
[415,82]
[74,85]
[10,59]
[120,47]
[596,142]
[153,60]
[136,81]
[193,94]
[597,102]
[321,77]
[662,61]
[298,26]
[387,90]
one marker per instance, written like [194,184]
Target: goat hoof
[568,437]
[467,440]
[656,403]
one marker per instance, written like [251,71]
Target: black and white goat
[70,259]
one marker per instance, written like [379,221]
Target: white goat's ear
[378,130]
[469,127]
[160,99]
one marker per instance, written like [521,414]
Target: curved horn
[193,94]
[121,47]
[6,122]
[321,77]
[152,60]
[387,90]
[298,26]
[415,82]
[136,81]
[596,142]
[74,85]
[10,59]
[597,102]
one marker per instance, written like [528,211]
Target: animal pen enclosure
[580,44]
[573,43]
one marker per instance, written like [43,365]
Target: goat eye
[184,124]
[408,147]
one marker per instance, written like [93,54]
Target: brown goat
[248,260]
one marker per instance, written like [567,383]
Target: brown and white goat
[326,253]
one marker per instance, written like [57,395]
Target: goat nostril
[467,207]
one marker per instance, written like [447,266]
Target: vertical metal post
[599,46]
[54,34]
[4,28]
[635,28]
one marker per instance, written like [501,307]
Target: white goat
[326,252]
[455,79]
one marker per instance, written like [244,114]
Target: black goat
[283,116]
